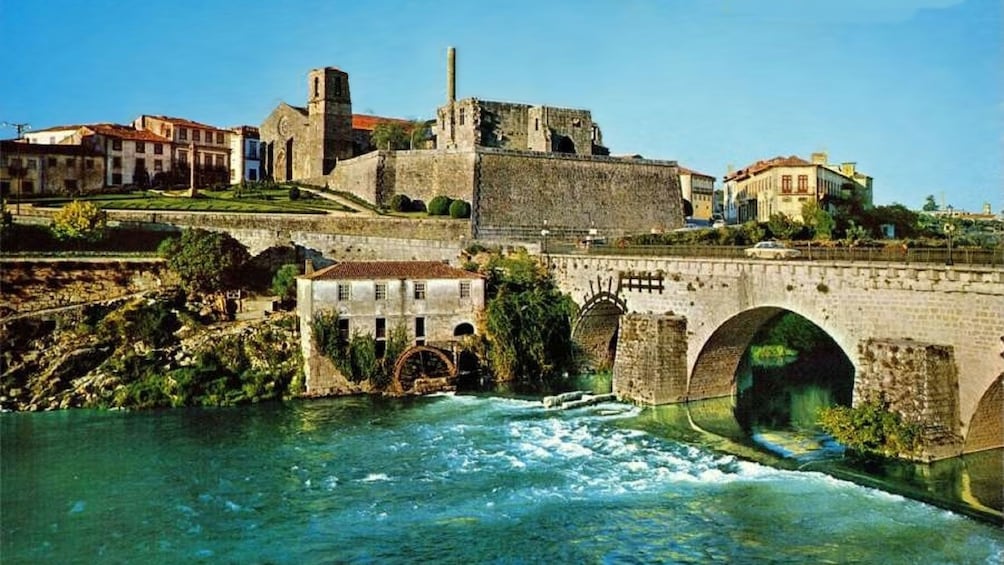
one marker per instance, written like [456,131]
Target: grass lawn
[272,201]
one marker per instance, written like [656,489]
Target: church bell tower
[329,110]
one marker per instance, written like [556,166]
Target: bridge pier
[920,382]
[651,362]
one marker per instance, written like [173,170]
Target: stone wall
[33,286]
[651,362]
[616,196]
[986,429]
[960,306]
[918,381]
[360,176]
[424,175]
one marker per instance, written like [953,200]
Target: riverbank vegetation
[871,429]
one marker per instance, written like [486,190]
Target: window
[196,135]
[381,328]
[140,147]
[786,184]
[536,124]
[15,163]
[317,87]
[117,144]
[461,116]
[71,162]
[465,289]
[52,161]
[158,148]
[70,185]
[183,156]
[140,164]
[343,291]
[158,165]
[381,288]
[116,178]
[219,137]
[338,86]
[208,159]
[5,187]
[182,133]
[116,162]
[252,174]
[32,164]
[803,183]
[419,291]
[420,331]
[88,164]
[343,330]
[27,186]
[219,161]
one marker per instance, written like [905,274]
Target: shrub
[417,206]
[400,203]
[460,209]
[294,192]
[870,428]
[284,281]
[440,205]
[79,220]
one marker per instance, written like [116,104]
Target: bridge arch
[596,327]
[986,430]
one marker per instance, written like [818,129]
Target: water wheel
[423,369]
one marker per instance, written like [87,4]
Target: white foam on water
[374,477]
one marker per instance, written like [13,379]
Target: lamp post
[543,237]
[949,231]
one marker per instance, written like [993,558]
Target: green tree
[418,131]
[783,226]
[930,205]
[818,220]
[206,261]
[390,135]
[79,220]
[284,281]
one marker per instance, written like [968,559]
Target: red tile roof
[58,128]
[369,270]
[126,132]
[686,171]
[11,146]
[763,165]
[185,122]
[367,122]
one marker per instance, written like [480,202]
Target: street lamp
[949,228]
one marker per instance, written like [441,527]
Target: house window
[158,165]
[343,291]
[381,288]
[116,178]
[116,162]
[343,330]
[252,174]
[786,184]
[219,161]
[140,164]
[140,147]
[465,289]
[419,291]
[5,187]
[32,164]
[183,156]
[182,133]
[117,144]
[381,328]
[419,331]
[219,137]
[88,164]
[52,161]
[27,186]
[803,183]
[196,135]
[70,185]
[71,162]
[208,160]
[158,148]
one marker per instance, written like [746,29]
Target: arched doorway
[463,329]
[777,367]
[595,331]
[289,160]
[563,144]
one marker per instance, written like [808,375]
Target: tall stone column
[651,362]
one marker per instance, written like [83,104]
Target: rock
[558,400]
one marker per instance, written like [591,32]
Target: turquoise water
[449,479]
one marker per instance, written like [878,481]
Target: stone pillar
[918,381]
[651,362]
[451,74]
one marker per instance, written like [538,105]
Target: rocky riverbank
[143,352]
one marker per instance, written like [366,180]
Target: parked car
[718,224]
[772,250]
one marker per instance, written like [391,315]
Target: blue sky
[910,90]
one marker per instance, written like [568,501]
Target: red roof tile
[186,123]
[367,122]
[686,171]
[11,146]
[126,132]
[391,270]
[763,165]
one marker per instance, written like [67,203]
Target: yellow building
[35,169]
[698,189]
[784,184]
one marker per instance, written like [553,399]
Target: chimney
[848,169]
[308,267]
[819,158]
[451,74]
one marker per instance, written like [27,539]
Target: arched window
[317,87]
[463,329]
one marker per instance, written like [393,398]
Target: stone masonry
[651,362]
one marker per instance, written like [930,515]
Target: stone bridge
[926,338]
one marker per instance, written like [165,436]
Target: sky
[910,90]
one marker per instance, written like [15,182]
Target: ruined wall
[919,381]
[651,363]
[613,195]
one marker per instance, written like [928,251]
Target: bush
[294,192]
[284,281]
[460,209]
[400,203]
[870,428]
[440,205]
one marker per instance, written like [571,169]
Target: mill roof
[368,270]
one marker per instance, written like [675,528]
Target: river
[445,479]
